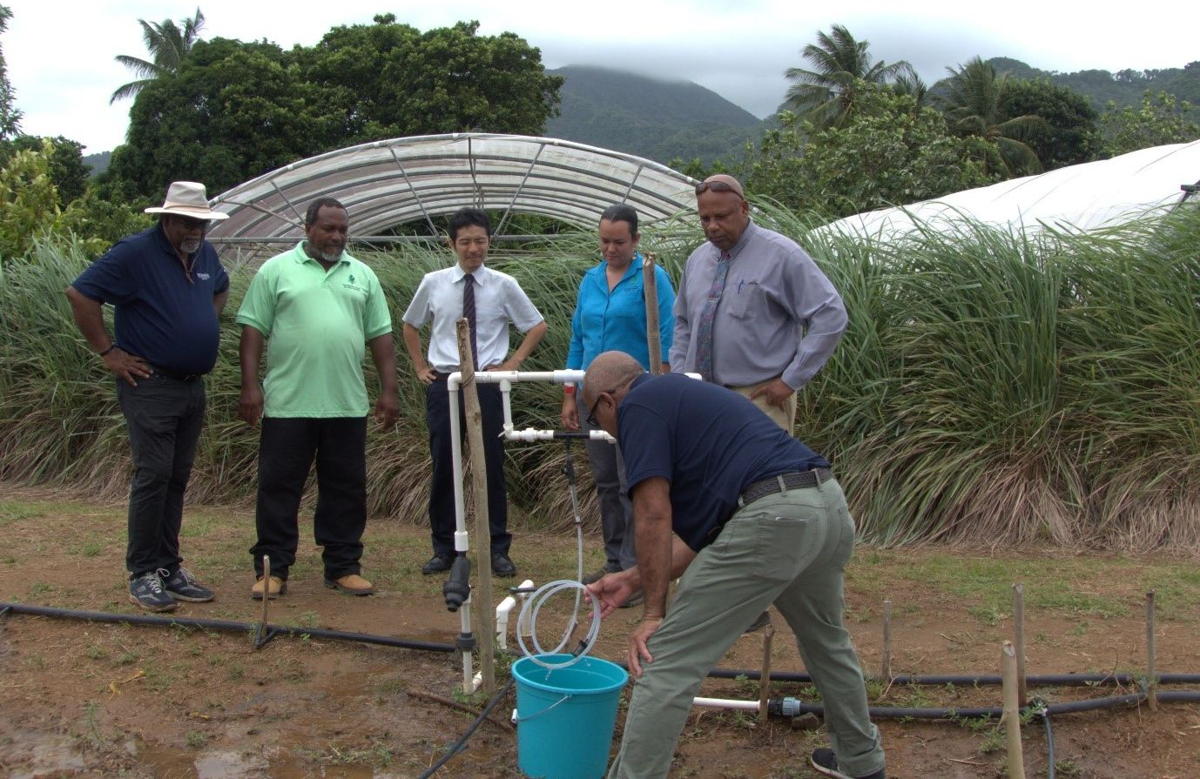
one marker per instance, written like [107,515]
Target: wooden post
[650,291]
[481,607]
[1012,713]
[885,670]
[764,681]
[1019,641]
[1151,673]
[260,636]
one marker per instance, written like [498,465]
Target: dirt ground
[91,699]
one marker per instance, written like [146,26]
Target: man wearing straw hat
[748,517]
[167,288]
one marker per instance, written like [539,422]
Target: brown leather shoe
[274,587]
[351,584]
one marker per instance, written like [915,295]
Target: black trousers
[285,453]
[441,491]
[164,417]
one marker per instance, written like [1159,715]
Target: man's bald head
[721,182]
[609,372]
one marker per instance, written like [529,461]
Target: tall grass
[991,387]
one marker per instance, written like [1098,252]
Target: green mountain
[1125,87]
[649,117]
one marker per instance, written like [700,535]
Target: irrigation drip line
[1045,680]
[225,625]
[1049,680]
[461,744]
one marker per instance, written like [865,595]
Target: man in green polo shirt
[317,306]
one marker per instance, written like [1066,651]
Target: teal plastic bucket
[566,716]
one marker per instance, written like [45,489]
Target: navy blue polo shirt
[709,442]
[161,314]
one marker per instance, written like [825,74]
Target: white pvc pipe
[502,612]
[725,703]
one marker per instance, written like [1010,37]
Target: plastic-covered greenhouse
[1079,197]
[386,183]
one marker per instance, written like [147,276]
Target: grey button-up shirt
[778,317]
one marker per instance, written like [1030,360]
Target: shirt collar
[480,273]
[635,265]
[741,242]
[302,256]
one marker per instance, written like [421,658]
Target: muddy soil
[89,699]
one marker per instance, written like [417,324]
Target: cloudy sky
[60,61]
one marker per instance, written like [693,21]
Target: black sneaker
[825,761]
[437,564]
[147,591]
[183,586]
[502,566]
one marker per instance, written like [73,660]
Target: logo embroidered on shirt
[203,276]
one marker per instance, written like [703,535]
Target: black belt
[796,480]
[176,375]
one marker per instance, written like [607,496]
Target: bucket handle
[561,700]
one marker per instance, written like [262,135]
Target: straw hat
[187,198]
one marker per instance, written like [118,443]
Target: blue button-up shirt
[606,320]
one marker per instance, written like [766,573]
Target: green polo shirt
[317,323]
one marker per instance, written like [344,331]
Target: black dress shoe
[437,564]
[502,566]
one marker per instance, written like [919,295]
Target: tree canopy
[974,106]
[10,117]
[1161,119]
[236,110]
[889,151]
[825,94]
[168,44]
[1068,134]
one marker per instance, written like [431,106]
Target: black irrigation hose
[1042,711]
[461,744]
[1047,680]
[995,712]
[226,625]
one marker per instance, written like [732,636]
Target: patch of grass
[236,671]
[14,511]
[1075,602]
[196,739]
[376,754]
[96,652]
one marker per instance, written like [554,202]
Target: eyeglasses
[719,186]
[591,417]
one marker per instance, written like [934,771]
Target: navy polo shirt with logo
[709,442]
[163,313]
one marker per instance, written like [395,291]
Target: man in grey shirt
[754,312]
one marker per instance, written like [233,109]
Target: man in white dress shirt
[490,300]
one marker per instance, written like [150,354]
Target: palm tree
[825,94]
[972,105]
[168,44]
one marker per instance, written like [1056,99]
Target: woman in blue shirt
[610,314]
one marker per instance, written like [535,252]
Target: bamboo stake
[1019,642]
[764,681]
[885,671]
[261,638]
[1012,713]
[650,292]
[481,607]
[1151,674]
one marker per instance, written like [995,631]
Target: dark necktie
[469,313]
[704,329]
